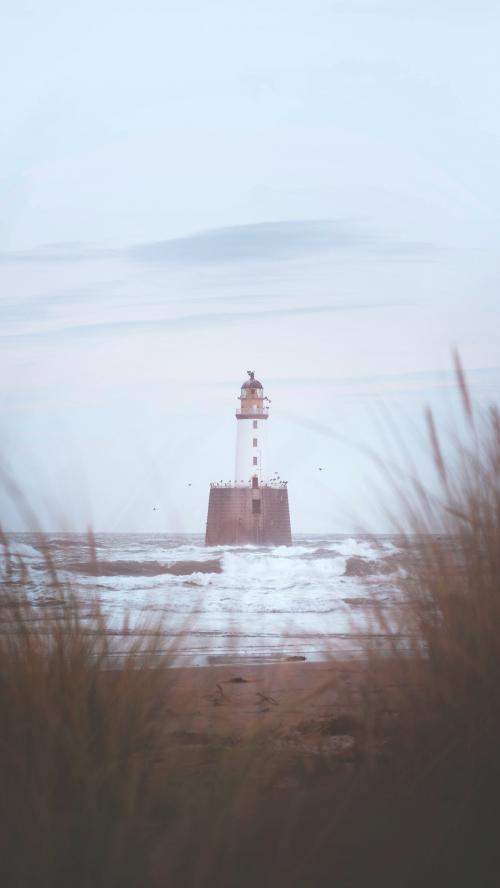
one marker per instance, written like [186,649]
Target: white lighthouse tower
[253,508]
[251,418]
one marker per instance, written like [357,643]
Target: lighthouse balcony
[254,411]
[251,483]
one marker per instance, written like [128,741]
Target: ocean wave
[363,567]
[264,571]
[257,597]
[322,552]
[21,550]
[142,568]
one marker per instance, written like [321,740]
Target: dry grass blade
[463,387]
[436,448]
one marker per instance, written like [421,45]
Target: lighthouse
[250,431]
[253,507]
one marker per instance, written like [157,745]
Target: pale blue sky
[191,189]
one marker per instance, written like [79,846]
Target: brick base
[239,515]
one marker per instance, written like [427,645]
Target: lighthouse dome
[252,383]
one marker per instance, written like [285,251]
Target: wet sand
[278,697]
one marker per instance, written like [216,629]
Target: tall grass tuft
[453,582]
[78,742]
[445,682]
[98,786]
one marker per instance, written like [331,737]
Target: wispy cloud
[58,253]
[266,241]
[195,321]
[241,244]
[272,241]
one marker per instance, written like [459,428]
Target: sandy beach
[312,707]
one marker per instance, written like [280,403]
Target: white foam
[277,570]
[23,550]
[261,596]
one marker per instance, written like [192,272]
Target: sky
[192,189]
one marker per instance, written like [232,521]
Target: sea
[320,598]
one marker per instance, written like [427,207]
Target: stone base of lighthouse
[257,515]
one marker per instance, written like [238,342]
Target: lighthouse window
[255,423]
[255,460]
[256,507]
[255,442]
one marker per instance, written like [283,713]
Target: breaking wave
[142,568]
[224,600]
[21,550]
